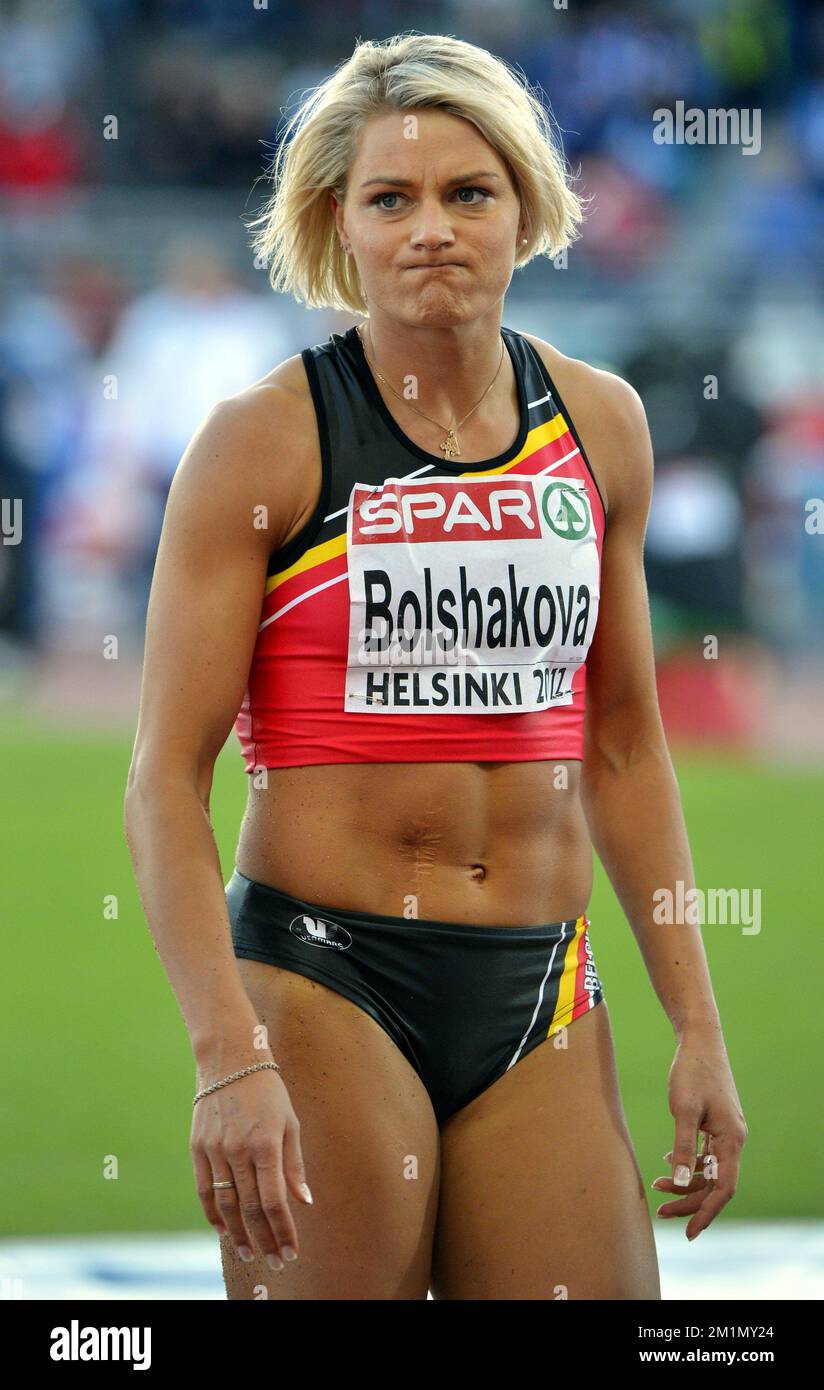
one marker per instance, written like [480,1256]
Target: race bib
[469,595]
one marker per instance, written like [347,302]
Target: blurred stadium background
[132,133]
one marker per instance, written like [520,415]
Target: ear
[337,209]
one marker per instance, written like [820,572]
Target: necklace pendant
[450,446]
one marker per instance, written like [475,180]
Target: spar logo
[440,510]
[566,511]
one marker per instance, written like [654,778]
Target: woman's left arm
[632,804]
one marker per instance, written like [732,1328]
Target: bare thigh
[370,1145]
[541,1196]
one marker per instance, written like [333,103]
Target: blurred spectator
[43,364]
[692,552]
[180,348]
[198,336]
[48,51]
[808,123]
[205,112]
[627,222]
[693,395]
[784,554]
[91,295]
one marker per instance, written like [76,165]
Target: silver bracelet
[215,1086]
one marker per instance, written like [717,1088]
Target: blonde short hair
[295,234]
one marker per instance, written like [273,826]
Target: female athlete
[406,566]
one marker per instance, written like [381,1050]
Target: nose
[432,228]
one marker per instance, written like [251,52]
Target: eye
[467,188]
[380,196]
[474,188]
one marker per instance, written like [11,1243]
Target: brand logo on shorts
[316,931]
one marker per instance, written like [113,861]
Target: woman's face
[425,186]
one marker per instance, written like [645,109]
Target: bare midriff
[496,844]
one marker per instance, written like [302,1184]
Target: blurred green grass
[98,1066]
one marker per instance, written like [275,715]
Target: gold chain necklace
[450,444]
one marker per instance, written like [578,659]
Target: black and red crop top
[429,612]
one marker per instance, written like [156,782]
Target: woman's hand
[248,1132]
[702,1098]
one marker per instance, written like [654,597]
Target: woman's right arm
[250,453]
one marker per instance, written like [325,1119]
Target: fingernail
[288,1252]
[245,1253]
[307,1196]
[682,1175]
[656,1184]
[274,1262]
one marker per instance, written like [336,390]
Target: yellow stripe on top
[536,439]
[565,1002]
[316,555]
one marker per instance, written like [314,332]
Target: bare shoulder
[609,415]
[260,446]
[590,389]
